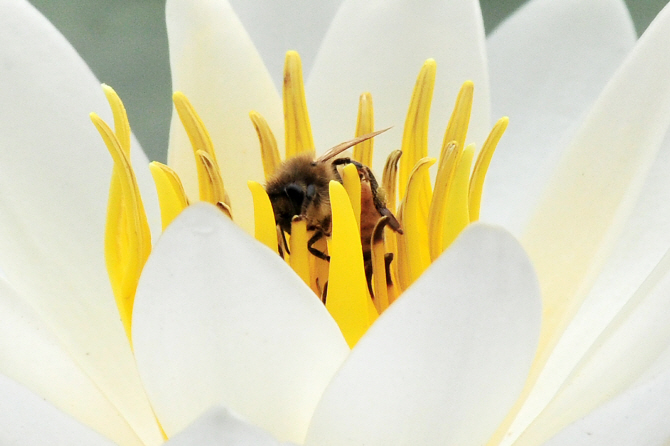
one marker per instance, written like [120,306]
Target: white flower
[467,354]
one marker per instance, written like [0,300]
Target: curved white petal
[54,179]
[215,64]
[643,243]
[548,63]
[32,355]
[276,27]
[28,420]
[221,319]
[638,416]
[446,362]
[599,178]
[379,46]
[218,427]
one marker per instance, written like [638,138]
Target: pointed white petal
[548,63]
[31,354]
[379,46]
[599,178]
[54,179]
[217,427]
[276,27]
[220,318]
[638,416]
[445,363]
[28,420]
[215,64]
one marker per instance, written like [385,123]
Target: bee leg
[367,263]
[318,235]
[388,258]
[324,294]
[283,236]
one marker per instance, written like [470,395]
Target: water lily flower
[445,364]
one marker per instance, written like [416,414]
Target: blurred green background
[125,44]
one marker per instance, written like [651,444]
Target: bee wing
[334,151]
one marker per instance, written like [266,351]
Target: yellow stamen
[415,228]
[457,129]
[352,184]
[438,206]
[348,300]
[458,216]
[269,152]
[365,124]
[214,192]
[318,268]
[389,182]
[299,259]
[482,165]
[127,235]
[415,134]
[171,196]
[379,266]
[402,259]
[264,218]
[121,124]
[297,128]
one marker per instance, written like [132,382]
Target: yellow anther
[482,165]
[214,192]
[415,133]
[438,205]
[264,217]
[127,235]
[269,152]
[297,128]
[352,184]
[415,228]
[457,129]
[348,300]
[299,253]
[364,124]
[458,216]
[171,196]
[378,253]
[198,135]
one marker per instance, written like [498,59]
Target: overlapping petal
[220,318]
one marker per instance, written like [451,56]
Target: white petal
[446,362]
[639,416]
[32,355]
[548,63]
[28,420]
[219,318]
[54,179]
[622,353]
[379,46]
[598,180]
[641,246]
[218,427]
[276,27]
[215,64]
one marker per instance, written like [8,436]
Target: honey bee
[300,188]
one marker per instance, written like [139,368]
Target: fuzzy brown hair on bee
[300,187]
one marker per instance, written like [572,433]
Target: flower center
[332,223]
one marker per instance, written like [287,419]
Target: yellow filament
[365,124]
[297,128]
[269,152]
[481,166]
[438,205]
[415,133]
[299,253]
[379,266]
[352,184]
[127,235]
[415,228]
[264,218]
[214,192]
[171,196]
[198,135]
[457,129]
[457,214]
[389,181]
[402,259]
[348,300]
